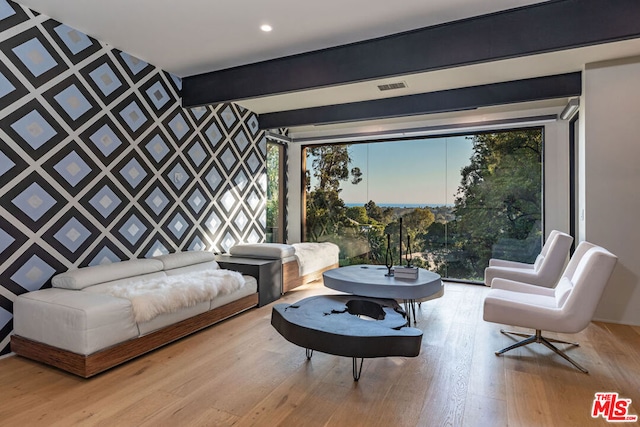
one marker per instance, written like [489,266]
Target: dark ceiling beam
[468,98]
[544,27]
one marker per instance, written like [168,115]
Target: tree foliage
[331,166]
[418,220]
[499,196]
[273,172]
[497,207]
[376,213]
[326,211]
[358,214]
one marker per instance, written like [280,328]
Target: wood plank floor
[242,372]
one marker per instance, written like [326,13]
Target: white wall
[556,176]
[611,166]
[294,192]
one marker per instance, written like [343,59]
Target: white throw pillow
[87,276]
[182,259]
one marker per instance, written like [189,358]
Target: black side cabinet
[268,273]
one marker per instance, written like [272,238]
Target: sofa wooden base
[92,364]
[291,275]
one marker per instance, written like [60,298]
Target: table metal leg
[413,311]
[407,311]
[309,353]
[410,310]
[357,371]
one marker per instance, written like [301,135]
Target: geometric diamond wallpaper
[100,163]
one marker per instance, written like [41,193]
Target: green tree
[418,220]
[331,166]
[435,236]
[376,239]
[326,212]
[376,213]
[499,197]
[358,214]
[326,215]
[273,185]
[373,211]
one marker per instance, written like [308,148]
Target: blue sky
[421,171]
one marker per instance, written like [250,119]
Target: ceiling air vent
[392,86]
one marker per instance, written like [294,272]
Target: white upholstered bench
[302,263]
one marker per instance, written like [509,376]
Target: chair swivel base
[538,338]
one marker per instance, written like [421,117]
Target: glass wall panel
[275,193]
[459,200]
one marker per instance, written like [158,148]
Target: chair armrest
[512,285]
[531,277]
[494,262]
[525,310]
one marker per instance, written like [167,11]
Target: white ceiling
[190,37]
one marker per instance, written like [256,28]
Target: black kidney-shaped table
[348,325]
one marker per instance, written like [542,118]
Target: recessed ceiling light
[266,28]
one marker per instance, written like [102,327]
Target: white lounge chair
[546,269]
[567,308]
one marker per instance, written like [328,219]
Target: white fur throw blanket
[314,256]
[153,297]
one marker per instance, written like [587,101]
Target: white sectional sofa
[94,318]
[302,263]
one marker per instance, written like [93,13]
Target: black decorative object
[400,242]
[409,254]
[388,258]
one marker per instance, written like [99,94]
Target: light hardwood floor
[242,372]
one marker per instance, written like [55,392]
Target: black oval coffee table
[348,325]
